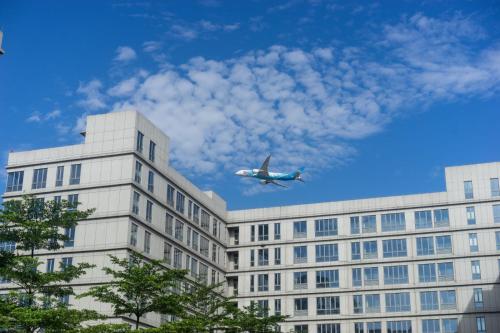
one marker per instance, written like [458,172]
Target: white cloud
[38,117]
[151,46]
[93,99]
[125,54]
[305,106]
[183,32]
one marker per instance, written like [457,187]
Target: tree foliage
[36,301]
[139,287]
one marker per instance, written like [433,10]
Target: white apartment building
[426,263]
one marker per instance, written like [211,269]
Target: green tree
[32,224]
[139,287]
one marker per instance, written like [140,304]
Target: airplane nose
[239,173]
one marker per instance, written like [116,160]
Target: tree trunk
[137,322]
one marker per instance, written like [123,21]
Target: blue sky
[373,98]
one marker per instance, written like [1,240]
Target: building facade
[415,263]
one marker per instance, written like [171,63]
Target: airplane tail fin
[298,173]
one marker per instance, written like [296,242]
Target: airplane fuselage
[269,176]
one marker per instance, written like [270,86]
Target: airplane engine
[263,182]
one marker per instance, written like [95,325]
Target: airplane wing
[264,169]
[276,183]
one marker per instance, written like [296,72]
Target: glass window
[300,329]
[214,252]
[138,170]
[151,181]
[397,302]
[169,224]
[425,246]
[252,283]
[393,222]
[135,203]
[476,270]
[426,273]
[423,219]
[359,327]
[299,254]
[277,281]
[277,231]
[147,242]
[205,220]
[327,305]
[473,243]
[327,252]
[369,223]
[371,276]
[300,229]
[72,201]
[372,303]
[355,250]
[468,190]
[497,237]
[495,187]
[215,229]
[252,233]
[277,307]
[179,230]
[325,227]
[480,325]
[402,326]
[262,282]
[133,234]
[430,326]
[448,299]
[177,258]
[59,176]
[300,307]
[327,279]
[441,218]
[66,262]
[204,246]
[196,213]
[15,181]
[496,213]
[356,277]
[167,253]
[69,233]
[180,204]
[252,257]
[263,234]
[443,244]
[354,225]
[277,256]
[394,248]
[396,274]
[263,257]
[370,249]
[328,328]
[50,266]
[429,300]
[149,211]
[75,171]
[152,148]
[445,271]
[478,298]
[299,280]
[170,195]
[39,178]
[357,301]
[374,327]
[471,215]
[140,142]
[450,325]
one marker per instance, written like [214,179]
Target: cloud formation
[125,54]
[306,106]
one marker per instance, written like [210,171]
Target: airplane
[270,177]
[2,52]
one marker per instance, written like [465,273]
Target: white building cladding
[414,263]
[425,263]
[141,203]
